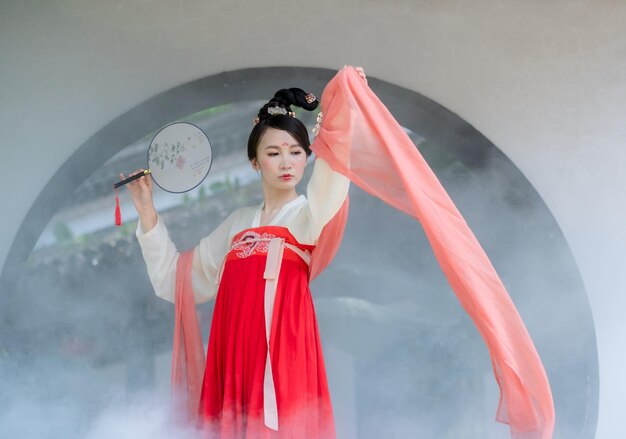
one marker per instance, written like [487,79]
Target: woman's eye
[272,154]
[297,152]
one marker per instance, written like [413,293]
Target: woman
[358,139]
[248,390]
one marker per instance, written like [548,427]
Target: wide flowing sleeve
[360,139]
[176,277]
[326,192]
[161,257]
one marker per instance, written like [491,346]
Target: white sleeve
[326,192]
[208,258]
[161,258]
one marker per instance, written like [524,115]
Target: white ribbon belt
[272,270]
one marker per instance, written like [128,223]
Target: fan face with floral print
[179,157]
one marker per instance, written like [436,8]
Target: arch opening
[401,355]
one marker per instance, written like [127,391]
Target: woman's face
[280,158]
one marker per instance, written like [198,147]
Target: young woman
[248,389]
[264,374]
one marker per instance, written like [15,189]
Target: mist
[87,344]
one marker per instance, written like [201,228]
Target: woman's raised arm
[161,255]
[326,192]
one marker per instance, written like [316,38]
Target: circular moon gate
[402,357]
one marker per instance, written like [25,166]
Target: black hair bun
[287,97]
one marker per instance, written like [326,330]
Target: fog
[87,343]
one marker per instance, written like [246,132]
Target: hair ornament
[310,98]
[272,111]
[276,110]
[316,128]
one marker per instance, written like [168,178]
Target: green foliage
[209,112]
[81,239]
[223,186]
[127,229]
[202,194]
[62,233]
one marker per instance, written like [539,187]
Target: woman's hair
[281,117]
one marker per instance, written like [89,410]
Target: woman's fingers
[361,73]
[148,181]
[140,191]
[138,187]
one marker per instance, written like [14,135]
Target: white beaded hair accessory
[272,111]
[316,128]
[276,110]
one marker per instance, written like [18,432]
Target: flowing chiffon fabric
[188,350]
[360,139]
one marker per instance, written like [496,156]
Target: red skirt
[231,403]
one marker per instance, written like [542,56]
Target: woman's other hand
[141,194]
[361,73]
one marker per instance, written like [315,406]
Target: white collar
[283,210]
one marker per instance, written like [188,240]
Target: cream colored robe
[305,217]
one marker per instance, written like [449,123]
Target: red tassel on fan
[118,212]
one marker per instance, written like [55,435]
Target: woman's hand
[141,194]
[361,73]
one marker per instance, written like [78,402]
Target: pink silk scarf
[360,139]
[188,351]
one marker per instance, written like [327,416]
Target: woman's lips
[286,177]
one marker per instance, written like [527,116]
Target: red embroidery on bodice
[249,244]
[256,240]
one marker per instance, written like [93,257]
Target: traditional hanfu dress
[359,139]
[264,375]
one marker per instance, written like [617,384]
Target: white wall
[544,81]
